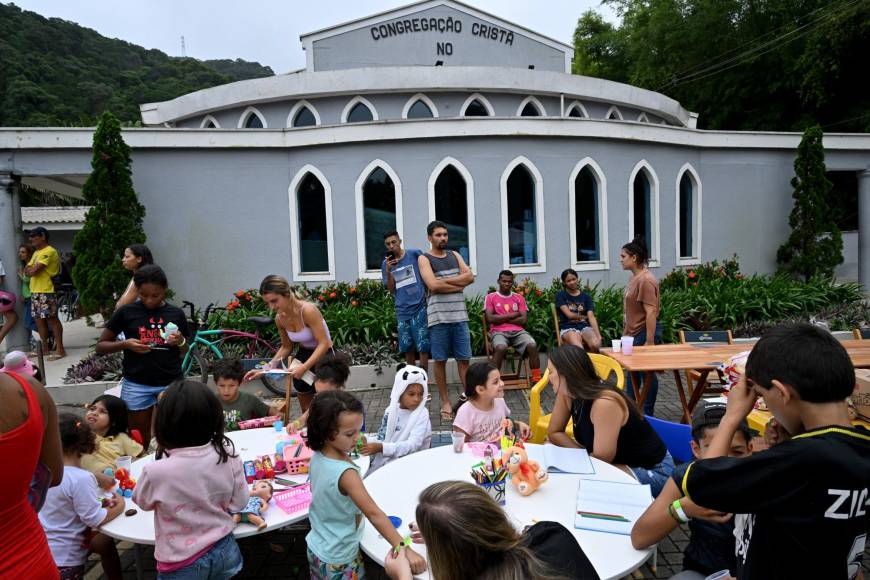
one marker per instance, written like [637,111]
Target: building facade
[437,110]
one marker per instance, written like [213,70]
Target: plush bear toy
[526,476]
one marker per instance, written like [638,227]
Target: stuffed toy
[526,476]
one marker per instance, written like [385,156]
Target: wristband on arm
[676,511]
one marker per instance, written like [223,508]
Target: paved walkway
[281,554]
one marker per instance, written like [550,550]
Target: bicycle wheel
[197,367]
[277,385]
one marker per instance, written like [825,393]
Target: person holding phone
[401,274]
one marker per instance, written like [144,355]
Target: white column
[864,228]
[10,237]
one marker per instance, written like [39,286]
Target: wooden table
[701,357]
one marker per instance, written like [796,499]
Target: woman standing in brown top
[641,306]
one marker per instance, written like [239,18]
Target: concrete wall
[369,46]
[848,270]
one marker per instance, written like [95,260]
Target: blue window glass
[253,122]
[586,217]
[522,223]
[360,113]
[420,110]
[304,118]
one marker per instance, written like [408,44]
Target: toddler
[237,405]
[107,418]
[330,373]
[339,497]
[405,427]
[486,416]
[74,506]
[193,489]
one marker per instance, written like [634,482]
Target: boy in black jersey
[801,506]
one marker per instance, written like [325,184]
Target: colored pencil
[603,517]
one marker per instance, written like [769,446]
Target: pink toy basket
[297,463]
[293,500]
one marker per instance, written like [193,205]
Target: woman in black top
[606,423]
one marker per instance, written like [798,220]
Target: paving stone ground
[281,554]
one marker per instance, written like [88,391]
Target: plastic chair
[556,324]
[521,372]
[861,333]
[538,422]
[677,437]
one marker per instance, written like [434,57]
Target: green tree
[815,246]
[113,222]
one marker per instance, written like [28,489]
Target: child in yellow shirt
[107,418]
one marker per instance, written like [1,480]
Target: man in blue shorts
[401,275]
[446,275]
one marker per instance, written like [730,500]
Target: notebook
[308,376]
[610,506]
[561,459]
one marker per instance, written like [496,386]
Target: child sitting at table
[606,422]
[468,535]
[486,415]
[194,486]
[405,427]
[74,506]
[711,543]
[237,405]
[107,418]
[330,373]
[801,505]
[339,497]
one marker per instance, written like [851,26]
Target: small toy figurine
[125,482]
[268,468]
[250,472]
[356,452]
[169,329]
[261,493]
[526,476]
[259,469]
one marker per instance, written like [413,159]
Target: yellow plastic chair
[538,422]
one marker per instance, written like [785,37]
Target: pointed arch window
[251,118]
[209,122]
[359,110]
[304,118]
[688,216]
[530,111]
[576,112]
[531,107]
[643,207]
[522,212]
[614,114]
[476,106]
[379,210]
[311,226]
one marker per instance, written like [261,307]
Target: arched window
[588,208]
[251,118]
[311,226]
[531,107]
[378,211]
[642,118]
[643,207]
[476,106]
[688,216]
[613,114]
[304,118]
[419,107]
[522,210]
[577,111]
[451,200]
[359,110]
[209,122]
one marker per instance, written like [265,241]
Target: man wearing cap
[44,265]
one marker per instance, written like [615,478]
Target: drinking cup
[627,344]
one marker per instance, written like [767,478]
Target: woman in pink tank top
[28,435]
[299,323]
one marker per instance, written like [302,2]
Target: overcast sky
[268,31]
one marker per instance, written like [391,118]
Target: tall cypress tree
[815,246]
[113,223]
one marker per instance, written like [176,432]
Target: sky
[267,31]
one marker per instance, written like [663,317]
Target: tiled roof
[53,215]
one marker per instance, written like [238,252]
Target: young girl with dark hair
[194,487]
[135,256]
[339,497]
[107,418]
[486,416]
[641,304]
[606,422]
[152,356]
[74,506]
[577,323]
[468,535]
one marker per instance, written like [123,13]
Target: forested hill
[778,65]
[57,73]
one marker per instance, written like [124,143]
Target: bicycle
[206,341]
[67,302]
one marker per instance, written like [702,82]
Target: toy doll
[261,493]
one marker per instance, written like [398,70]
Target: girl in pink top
[486,415]
[194,486]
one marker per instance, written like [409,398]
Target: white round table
[397,486]
[139,528]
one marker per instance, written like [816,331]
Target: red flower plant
[354,303]
[240,293]
[332,294]
[692,274]
[321,297]
[352,290]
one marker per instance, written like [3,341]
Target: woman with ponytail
[641,304]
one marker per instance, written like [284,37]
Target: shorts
[222,561]
[519,339]
[43,305]
[450,338]
[414,333]
[584,326]
[353,570]
[300,386]
[72,572]
[139,397]
[657,476]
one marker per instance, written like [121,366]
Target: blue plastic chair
[676,436]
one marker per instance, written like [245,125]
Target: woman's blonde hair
[468,536]
[275,284]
